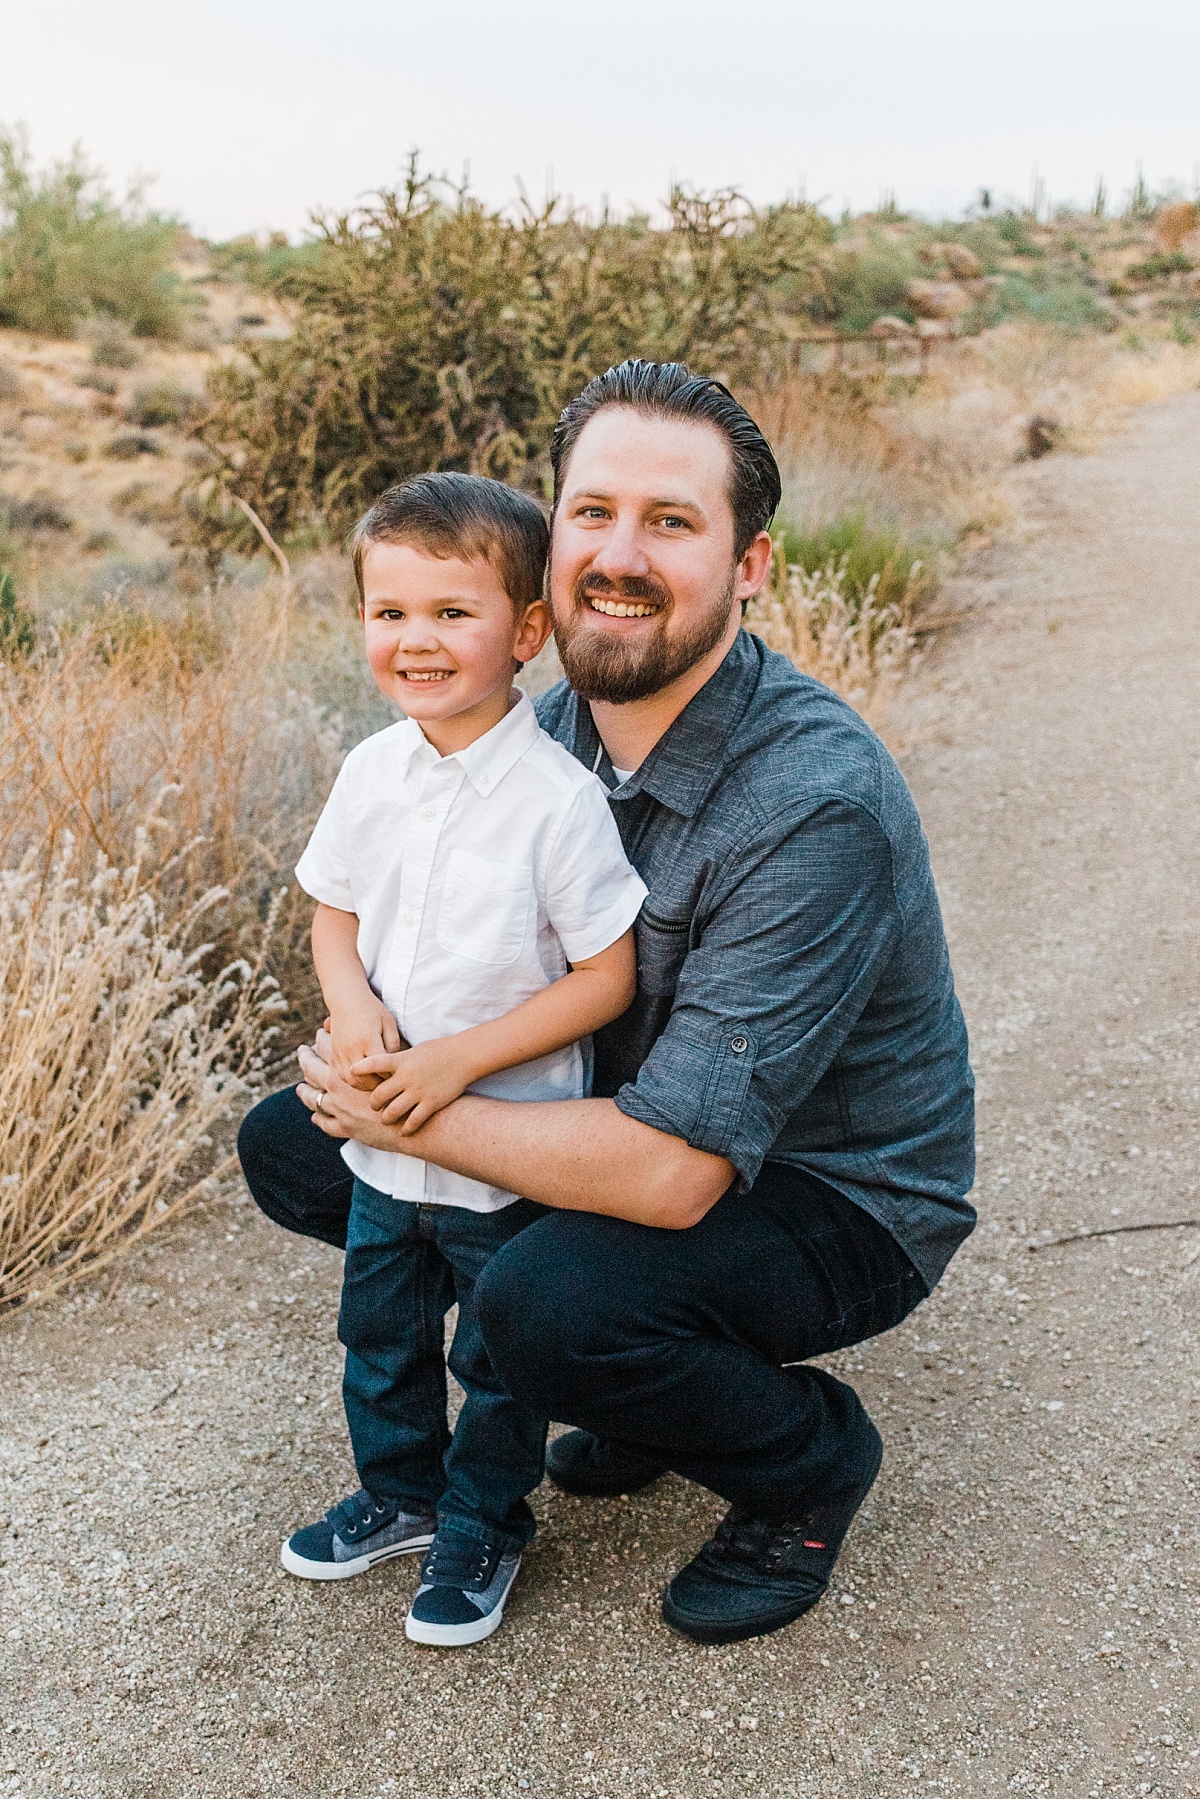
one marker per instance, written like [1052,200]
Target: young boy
[474,903]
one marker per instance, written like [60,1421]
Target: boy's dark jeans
[406,1265]
[674,1341]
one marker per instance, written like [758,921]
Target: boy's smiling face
[442,635]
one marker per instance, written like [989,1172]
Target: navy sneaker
[753,1577]
[464,1583]
[582,1464]
[354,1536]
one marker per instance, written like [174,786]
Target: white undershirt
[623,774]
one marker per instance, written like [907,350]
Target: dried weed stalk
[852,643]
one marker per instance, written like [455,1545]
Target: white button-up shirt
[476,879]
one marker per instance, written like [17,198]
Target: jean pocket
[484,909]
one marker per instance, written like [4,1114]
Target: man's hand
[338,1108]
[416,1083]
[583,1155]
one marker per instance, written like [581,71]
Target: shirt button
[407,918]
[429,815]
[484,779]
[739,1045]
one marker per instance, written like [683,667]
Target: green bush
[862,554]
[68,252]
[18,631]
[429,332]
[1060,298]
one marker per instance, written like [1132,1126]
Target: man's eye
[674,522]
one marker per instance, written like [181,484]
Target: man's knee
[550,1318]
[294,1173]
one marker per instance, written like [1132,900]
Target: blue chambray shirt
[795,1002]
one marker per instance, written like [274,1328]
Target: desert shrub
[1158,266]
[161,402]
[69,252]
[853,642]
[872,561]
[431,332]
[1061,300]
[119,1055]
[112,348]
[40,512]
[123,446]
[18,629]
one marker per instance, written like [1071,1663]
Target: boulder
[962,263]
[938,299]
[888,325]
[1175,223]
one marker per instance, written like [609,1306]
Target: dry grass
[852,643]
[154,788]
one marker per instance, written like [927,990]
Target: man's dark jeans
[406,1265]
[674,1341]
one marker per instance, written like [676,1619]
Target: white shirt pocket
[485,908]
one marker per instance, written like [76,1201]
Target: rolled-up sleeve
[794,936]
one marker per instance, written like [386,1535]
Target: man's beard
[615,670]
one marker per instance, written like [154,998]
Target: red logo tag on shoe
[811,1545]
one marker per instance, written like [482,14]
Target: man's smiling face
[643,578]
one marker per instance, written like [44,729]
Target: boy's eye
[391,613]
[454,612]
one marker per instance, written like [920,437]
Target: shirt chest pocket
[485,908]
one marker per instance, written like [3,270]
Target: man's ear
[532,631]
[754,567]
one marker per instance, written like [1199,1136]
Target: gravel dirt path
[1015,1609]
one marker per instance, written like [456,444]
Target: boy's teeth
[428,674]
[622,608]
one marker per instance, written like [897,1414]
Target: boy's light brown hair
[467,516]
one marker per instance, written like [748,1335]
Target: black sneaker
[753,1577]
[582,1464]
[464,1583]
[354,1536]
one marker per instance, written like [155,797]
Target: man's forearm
[583,1155]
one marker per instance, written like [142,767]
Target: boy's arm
[360,1023]
[427,1077]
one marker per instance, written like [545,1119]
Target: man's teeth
[622,608]
[428,674]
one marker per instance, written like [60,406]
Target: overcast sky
[250,112]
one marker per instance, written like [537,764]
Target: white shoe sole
[361,1564]
[456,1636]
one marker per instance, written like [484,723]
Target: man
[775,1159]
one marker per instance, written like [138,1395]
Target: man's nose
[622,555]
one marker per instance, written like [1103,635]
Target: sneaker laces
[459,1560]
[740,1537]
[362,1511]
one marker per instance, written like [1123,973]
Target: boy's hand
[417,1082]
[362,1027]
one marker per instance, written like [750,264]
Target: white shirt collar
[486,761]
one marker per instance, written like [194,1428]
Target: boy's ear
[532,631]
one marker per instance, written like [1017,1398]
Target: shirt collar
[687,760]
[486,761]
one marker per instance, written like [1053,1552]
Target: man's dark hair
[670,390]
[468,516]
